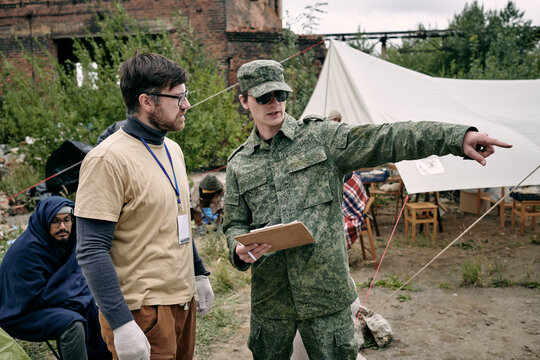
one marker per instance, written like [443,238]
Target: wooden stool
[525,209]
[421,213]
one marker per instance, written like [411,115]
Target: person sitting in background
[354,198]
[206,201]
[43,294]
[334,116]
[354,202]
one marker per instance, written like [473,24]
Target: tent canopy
[368,90]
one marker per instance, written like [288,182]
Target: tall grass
[227,282]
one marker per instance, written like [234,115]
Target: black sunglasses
[179,97]
[280,96]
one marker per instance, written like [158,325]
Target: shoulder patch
[237,150]
[308,118]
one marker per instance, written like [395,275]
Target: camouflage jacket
[300,177]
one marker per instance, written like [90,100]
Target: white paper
[429,166]
[271,226]
[183,229]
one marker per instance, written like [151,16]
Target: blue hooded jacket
[42,288]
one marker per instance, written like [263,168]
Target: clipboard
[280,236]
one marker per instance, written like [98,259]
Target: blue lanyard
[177,192]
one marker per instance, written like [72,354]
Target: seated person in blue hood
[43,294]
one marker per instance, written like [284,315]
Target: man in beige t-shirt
[134,237]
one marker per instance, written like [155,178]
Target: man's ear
[243,102]
[147,103]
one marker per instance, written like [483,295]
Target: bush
[51,107]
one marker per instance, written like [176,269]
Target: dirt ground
[444,318]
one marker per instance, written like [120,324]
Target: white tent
[368,90]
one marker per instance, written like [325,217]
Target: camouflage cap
[261,76]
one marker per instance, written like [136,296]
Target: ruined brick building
[235,31]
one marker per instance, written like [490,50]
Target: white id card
[183,229]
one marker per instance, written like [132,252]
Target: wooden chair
[366,230]
[55,352]
[432,197]
[525,209]
[375,191]
[421,213]
[483,196]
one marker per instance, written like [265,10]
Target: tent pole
[327,79]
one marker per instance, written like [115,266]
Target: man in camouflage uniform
[293,170]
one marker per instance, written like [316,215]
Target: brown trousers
[169,328]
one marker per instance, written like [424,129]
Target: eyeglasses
[280,96]
[55,222]
[179,97]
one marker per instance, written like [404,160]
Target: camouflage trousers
[324,337]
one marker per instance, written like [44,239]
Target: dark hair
[145,73]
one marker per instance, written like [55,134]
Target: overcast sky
[344,16]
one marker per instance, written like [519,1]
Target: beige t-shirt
[120,181]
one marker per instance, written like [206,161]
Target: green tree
[485,45]
[301,71]
[52,107]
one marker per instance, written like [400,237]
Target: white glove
[131,343]
[206,295]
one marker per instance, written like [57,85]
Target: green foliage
[529,284]
[486,45]
[220,323]
[210,136]
[37,350]
[468,245]
[472,273]
[445,286]
[403,297]
[391,281]
[51,107]
[498,280]
[301,72]
[17,177]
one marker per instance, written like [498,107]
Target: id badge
[183,229]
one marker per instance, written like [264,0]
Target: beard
[162,122]
[62,236]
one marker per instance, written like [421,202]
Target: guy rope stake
[382,258]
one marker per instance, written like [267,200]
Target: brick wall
[235,31]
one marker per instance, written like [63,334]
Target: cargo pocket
[255,340]
[309,172]
[254,188]
[346,344]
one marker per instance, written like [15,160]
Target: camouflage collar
[288,128]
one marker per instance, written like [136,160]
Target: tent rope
[455,240]
[234,85]
[42,181]
[382,258]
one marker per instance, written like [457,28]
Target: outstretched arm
[479,146]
